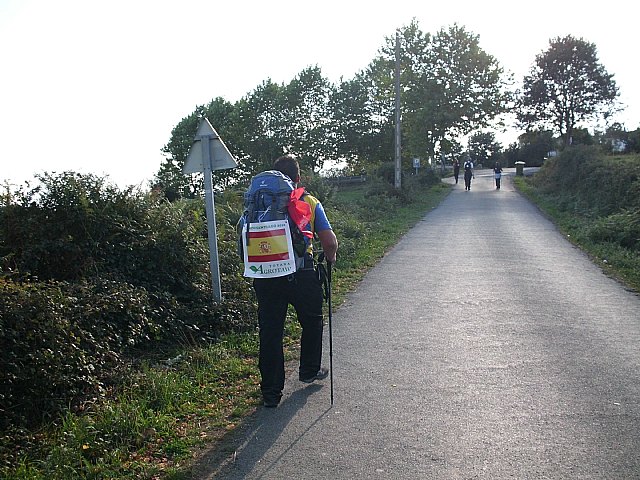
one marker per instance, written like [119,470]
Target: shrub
[319,187]
[584,180]
[91,275]
[73,227]
[621,228]
[602,191]
[47,357]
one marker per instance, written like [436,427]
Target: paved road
[484,346]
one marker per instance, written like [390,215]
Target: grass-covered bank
[149,418]
[594,199]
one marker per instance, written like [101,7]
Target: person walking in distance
[497,172]
[468,174]
[301,289]
[456,169]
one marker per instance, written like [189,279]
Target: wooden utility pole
[398,177]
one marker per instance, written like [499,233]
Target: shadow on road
[239,451]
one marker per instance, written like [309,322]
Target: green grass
[620,263]
[151,425]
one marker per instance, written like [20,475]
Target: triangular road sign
[220,156]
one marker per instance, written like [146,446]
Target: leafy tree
[470,86]
[306,119]
[566,85]
[633,141]
[451,149]
[581,136]
[450,86]
[259,116]
[362,135]
[534,146]
[292,118]
[511,155]
[483,148]
[271,120]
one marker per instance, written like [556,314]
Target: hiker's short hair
[288,165]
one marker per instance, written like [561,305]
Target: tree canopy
[271,120]
[567,85]
[450,86]
[483,148]
[361,125]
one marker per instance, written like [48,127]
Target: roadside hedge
[603,190]
[90,276]
[588,182]
[93,279]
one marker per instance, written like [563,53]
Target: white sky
[96,87]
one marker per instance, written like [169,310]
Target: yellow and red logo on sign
[268,250]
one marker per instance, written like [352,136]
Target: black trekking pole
[330,329]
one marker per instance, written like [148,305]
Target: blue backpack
[267,199]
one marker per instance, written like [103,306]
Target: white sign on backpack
[268,250]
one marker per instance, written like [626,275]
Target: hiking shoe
[271,402]
[321,375]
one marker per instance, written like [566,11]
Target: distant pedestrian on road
[301,289]
[456,169]
[497,172]
[468,174]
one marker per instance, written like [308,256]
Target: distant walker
[468,174]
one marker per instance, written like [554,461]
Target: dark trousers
[467,181]
[304,291]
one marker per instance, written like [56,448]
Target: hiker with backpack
[497,172]
[301,287]
[468,174]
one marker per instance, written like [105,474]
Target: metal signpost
[209,153]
